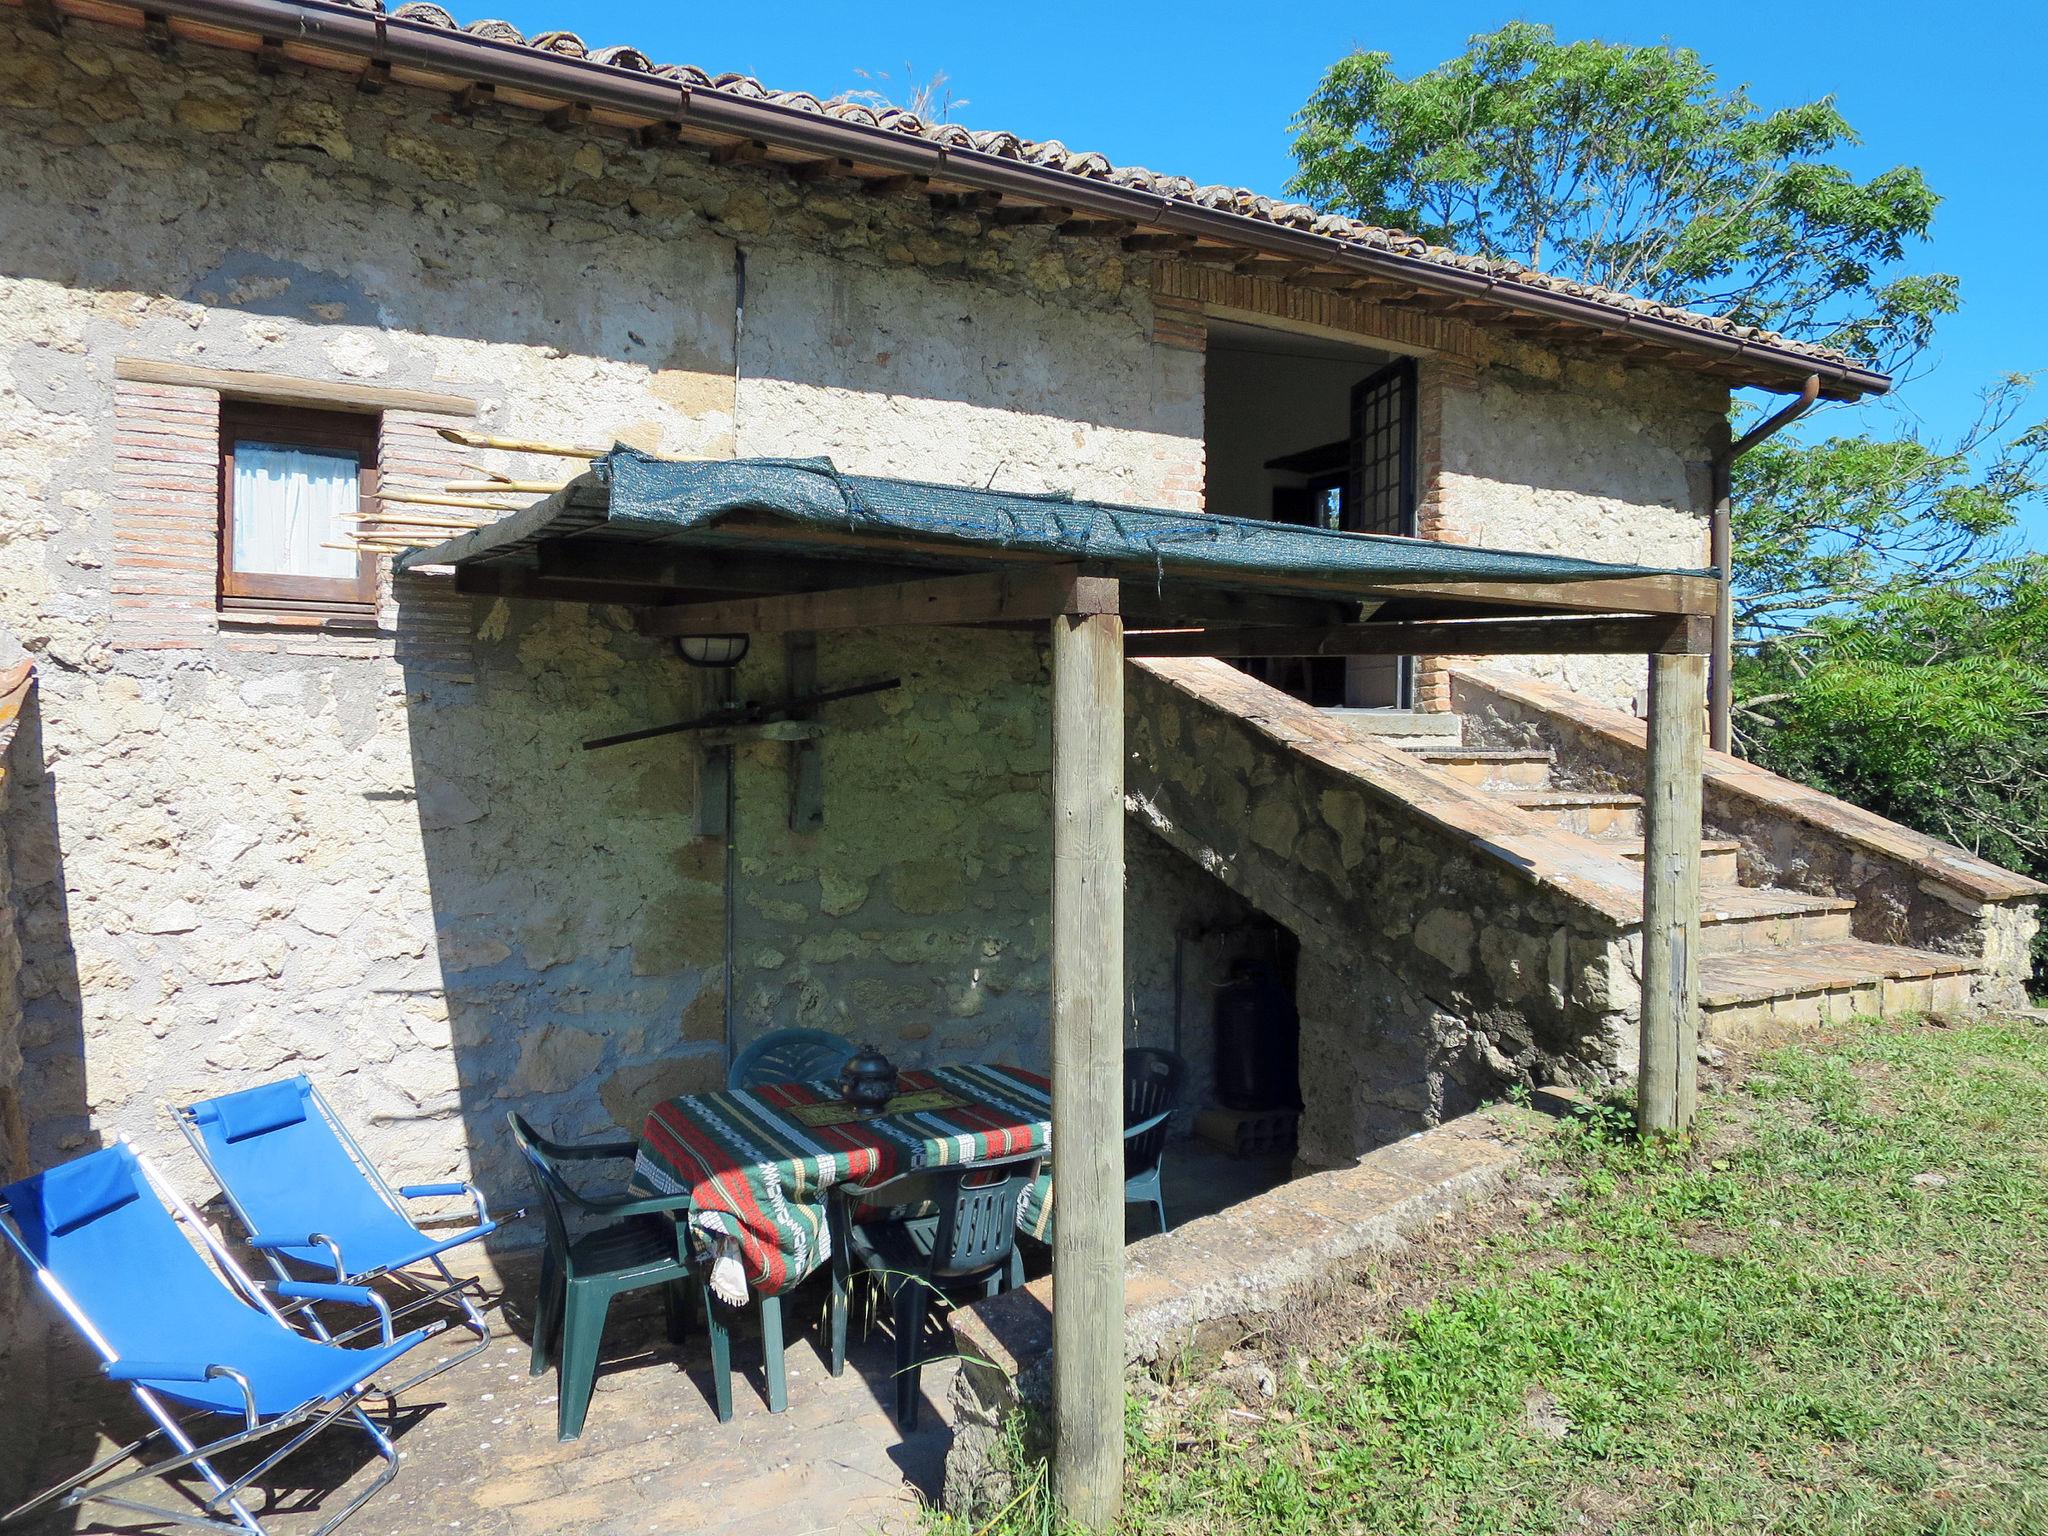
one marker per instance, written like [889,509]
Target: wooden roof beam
[591,559]
[1027,213]
[818,170]
[984,597]
[1107,229]
[738,152]
[506,580]
[966,202]
[1612,595]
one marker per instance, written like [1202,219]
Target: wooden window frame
[314,597]
[1396,442]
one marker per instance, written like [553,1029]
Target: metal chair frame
[449,1285]
[308,1419]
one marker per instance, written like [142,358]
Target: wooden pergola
[787,548]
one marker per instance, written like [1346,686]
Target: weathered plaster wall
[387,861]
[1562,455]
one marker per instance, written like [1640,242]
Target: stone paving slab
[481,1458]
[479,1447]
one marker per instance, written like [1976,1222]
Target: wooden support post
[1667,1081]
[1087,1064]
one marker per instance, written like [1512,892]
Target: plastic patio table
[758,1171]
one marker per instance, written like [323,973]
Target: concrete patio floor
[481,1458]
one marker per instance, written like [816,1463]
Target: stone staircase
[1770,958]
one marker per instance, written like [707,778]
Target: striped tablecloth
[757,1175]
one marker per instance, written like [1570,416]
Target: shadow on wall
[580,918]
[43,1116]
[576,918]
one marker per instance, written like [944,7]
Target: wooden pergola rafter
[787,570]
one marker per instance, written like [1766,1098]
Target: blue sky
[1206,90]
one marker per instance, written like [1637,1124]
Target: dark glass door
[1380,498]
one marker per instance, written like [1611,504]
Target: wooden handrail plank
[1660,634]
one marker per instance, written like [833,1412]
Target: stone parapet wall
[1909,888]
[1213,1282]
[1448,948]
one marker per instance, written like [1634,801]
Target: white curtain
[289,506]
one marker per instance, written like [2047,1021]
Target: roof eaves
[625,81]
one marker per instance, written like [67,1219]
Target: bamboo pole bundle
[503,486]
[520,444]
[420,520]
[429,499]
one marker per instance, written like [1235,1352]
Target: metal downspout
[1720,689]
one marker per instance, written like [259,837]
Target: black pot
[868,1081]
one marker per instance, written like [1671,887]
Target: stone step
[1719,858]
[1758,993]
[1401,727]
[1736,919]
[1588,813]
[1490,767]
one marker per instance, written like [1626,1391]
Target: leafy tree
[1894,650]
[1928,704]
[1631,168]
[1855,518]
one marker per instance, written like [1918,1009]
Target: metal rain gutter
[1721,541]
[390,39]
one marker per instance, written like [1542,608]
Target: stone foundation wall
[385,859]
[1212,1283]
[1439,962]
[1909,888]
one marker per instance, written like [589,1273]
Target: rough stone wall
[1563,455]
[387,861]
[1431,976]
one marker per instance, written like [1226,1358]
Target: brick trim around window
[164,562]
[166,553]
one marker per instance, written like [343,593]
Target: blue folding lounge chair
[306,1195]
[188,1340]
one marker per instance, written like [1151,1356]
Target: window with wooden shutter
[292,483]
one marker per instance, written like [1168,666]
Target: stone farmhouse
[271,809]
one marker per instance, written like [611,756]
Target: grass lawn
[1829,1313]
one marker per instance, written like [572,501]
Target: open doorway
[1318,431]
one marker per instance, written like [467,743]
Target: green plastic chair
[970,1244]
[1152,1083]
[639,1245]
[789,1056]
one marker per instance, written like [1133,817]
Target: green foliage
[1926,703]
[1825,1320]
[1894,650]
[1857,518]
[1631,168]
